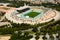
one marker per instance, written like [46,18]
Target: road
[4,23]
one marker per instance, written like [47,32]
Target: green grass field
[32,14]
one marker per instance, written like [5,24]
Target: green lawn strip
[32,14]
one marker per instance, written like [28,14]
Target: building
[58,1]
[51,1]
[38,1]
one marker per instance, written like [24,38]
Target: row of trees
[17,27]
[53,6]
[4,31]
[7,29]
[51,28]
[21,36]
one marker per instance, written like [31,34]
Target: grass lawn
[32,14]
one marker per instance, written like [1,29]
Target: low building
[36,1]
[58,1]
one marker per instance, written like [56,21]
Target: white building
[58,1]
[37,1]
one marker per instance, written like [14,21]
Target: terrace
[23,10]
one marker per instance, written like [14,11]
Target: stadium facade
[32,15]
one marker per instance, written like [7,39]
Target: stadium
[32,15]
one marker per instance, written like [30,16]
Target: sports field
[32,14]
